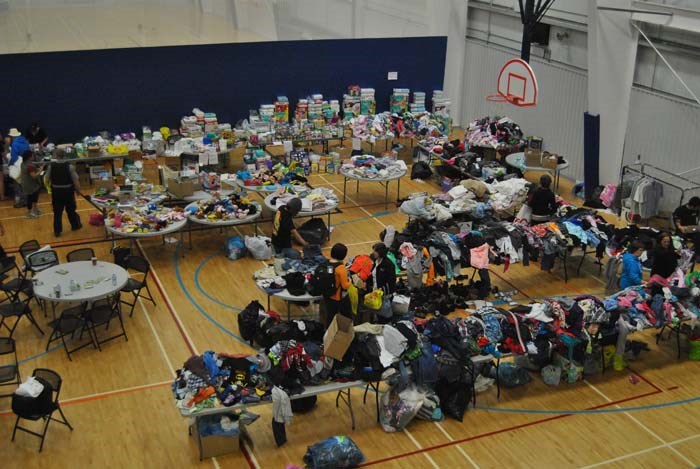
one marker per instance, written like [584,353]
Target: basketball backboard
[516,84]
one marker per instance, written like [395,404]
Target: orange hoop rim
[496,98]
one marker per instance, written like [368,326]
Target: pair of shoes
[37,212]
[76,228]
[19,205]
[31,215]
[57,234]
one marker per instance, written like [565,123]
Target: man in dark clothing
[64,183]
[283,229]
[542,200]
[36,135]
[686,219]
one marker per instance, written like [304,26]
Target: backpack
[16,169]
[425,367]
[248,320]
[322,282]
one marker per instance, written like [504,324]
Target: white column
[454,13]
[612,54]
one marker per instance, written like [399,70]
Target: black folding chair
[9,373]
[41,260]
[13,283]
[69,323]
[28,247]
[41,407]
[83,254]
[17,308]
[101,314]
[141,267]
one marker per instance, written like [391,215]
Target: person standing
[30,180]
[17,145]
[36,135]
[632,266]
[339,302]
[64,184]
[283,229]
[665,257]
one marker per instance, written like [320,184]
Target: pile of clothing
[320,198]
[369,167]
[141,195]
[271,178]
[220,208]
[495,132]
[148,219]
[387,125]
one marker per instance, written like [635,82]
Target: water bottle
[114,280]
[57,291]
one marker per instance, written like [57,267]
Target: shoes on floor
[57,234]
[76,228]
[31,215]
[19,205]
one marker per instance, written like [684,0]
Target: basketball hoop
[499,98]
[517,85]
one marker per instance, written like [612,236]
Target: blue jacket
[631,271]
[19,146]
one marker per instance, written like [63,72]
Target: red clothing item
[362,266]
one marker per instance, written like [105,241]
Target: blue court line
[39,355]
[196,305]
[591,411]
[207,295]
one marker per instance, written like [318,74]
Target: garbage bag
[419,207]
[397,409]
[333,452]
[235,248]
[421,170]
[314,231]
[511,375]
[454,397]
[260,247]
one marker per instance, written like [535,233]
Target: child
[339,302]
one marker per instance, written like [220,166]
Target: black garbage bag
[454,397]
[249,320]
[295,283]
[303,404]
[334,452]
[314,231]
[421,170]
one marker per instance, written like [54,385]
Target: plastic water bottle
[114,280]
[57,290]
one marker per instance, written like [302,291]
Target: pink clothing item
[659,280]
[624,302]
[407,250]
[608,194]
[479,256]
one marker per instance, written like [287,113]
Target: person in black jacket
[665,258]
[542,200]
[64,185]
[383,271]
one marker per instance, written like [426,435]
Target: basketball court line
[640,424]
[43,214]
[645,451]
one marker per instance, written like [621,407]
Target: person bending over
[283,229]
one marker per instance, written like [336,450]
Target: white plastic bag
[400,304]
[16,169]
[525,213]
[30,388]
[260,247]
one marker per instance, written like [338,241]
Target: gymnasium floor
[120,404]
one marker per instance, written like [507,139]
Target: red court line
[497,432]
[646,380]
[167,303]
[68,242]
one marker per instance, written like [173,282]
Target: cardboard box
[550,160]
[183,188]
[106,184]
[533,157]
[84,180]
[219,445]
[338,337]
[535,143]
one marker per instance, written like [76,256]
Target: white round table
[517,160]
[288,298]
[384,181]
[136,199]
[95,281]
[173,227]
[224,222]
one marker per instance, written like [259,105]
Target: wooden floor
[120,403]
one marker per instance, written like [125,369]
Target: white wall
[558,116]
